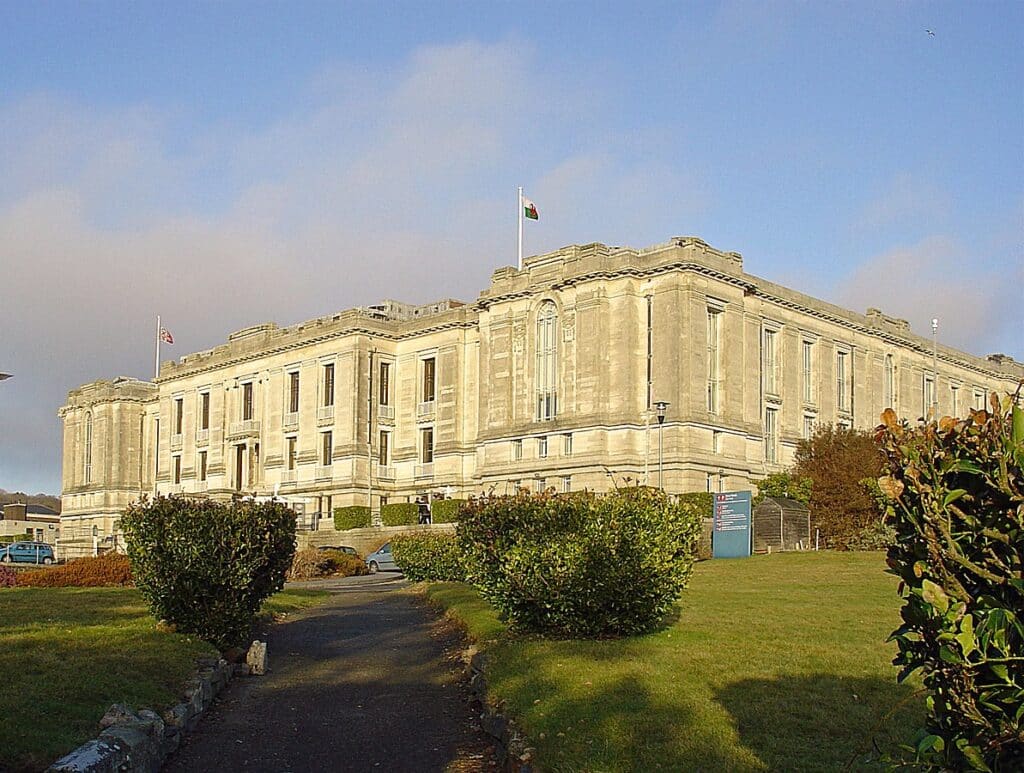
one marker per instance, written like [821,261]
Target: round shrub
[399,514]
[429,556]
[581,566]
[90,572]
[352,517]
[207,567]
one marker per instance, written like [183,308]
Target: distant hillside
[12,497]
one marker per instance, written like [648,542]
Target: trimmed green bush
[784,484]
[6,538]
[434,556]
[351,517]
[399,514]
[582,566]
[445,510]
[956,500]
[207,567]
[702,500]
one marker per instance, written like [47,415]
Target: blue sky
[229,163]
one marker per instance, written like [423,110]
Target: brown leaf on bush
[980,417]
[891,487]
[946,423]
[891,420]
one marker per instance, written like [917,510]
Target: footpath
[364,682]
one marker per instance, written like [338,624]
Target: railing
[425,470]
[325,414]
[244,428]
[288,476]
[385,472]
[290,420]
[386,412]
[423,410]
[176,442]
[324,472]
[202,437]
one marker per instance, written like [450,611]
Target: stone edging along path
[140,741]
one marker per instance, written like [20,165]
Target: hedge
[5,538]
[429,556]
[399,514]
[445,510]
[351,517]
[90,572]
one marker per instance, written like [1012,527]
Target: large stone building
[551,378]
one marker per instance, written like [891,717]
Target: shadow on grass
[822,721]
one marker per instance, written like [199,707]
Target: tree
[784,484]
[838,460]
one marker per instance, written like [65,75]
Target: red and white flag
[165,336]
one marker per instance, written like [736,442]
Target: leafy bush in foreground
[90,572]
[584,565]
[956,492]
[207,567]
[433,556]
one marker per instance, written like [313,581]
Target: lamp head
[661,407]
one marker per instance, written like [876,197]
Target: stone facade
[549,379]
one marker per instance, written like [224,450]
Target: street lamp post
[661,407]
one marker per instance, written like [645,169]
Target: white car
[382,560]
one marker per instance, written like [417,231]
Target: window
[291,452]
[293,392]
[979,399]
[88,448]
[202,466]
[770,434]
[716,442]
[567,444]
[383,448]
[538,485]
[179,413]
[176,462]
[384,393]
[954,398]
[239,466]
[326,448]
[927,395]
[427,445]
[808,427]
[650,351]
[204,410]
[842,381]
[547,361]
[714,340]
[709,483]
[807,370]
[889,383]
[517,450]
[247,401]
[542,447]
[768,361]
[566,484]
[429,365]
[328,385]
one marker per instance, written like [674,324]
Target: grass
[769,663]
[67,654]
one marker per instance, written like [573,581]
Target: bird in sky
[930,32]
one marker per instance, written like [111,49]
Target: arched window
[88,447]
[889,383]
[547,361]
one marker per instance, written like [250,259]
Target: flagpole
[520,210]
[156,358]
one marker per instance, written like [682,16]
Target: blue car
[27,553]
[382,560]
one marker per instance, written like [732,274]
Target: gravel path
[363,682]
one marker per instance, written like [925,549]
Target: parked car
[340,548]
[382,560]
[27,553]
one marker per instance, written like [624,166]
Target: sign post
[731,538]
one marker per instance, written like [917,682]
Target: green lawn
[66,654]
[770,663]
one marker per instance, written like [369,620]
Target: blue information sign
[731,537]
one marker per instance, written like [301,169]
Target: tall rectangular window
[291,442]
[204,410]
[247,401]
[807,370]
[650,351]
[546,373]
[979,399]
[88,446]
[954,398]
[177,469]
[714,342]
[567,444]
[842,381]
[770,434]
[202,466]
[542,447]
[328,384]
[293,392]
[179,413]
[566,484]
[429,366]
[517,450]
[808,427]
[927,396]
[768,362]
[384,395]
[384,448]
[326,448]
[888,382]
[427,445]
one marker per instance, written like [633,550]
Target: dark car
[27,553]
[340,548]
